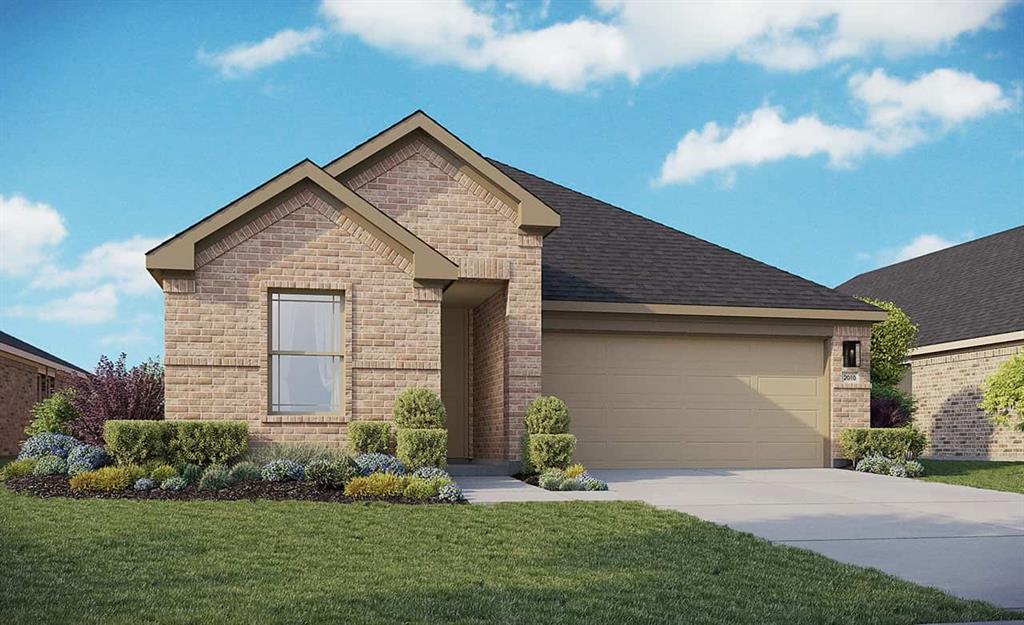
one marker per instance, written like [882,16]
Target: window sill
[304,418]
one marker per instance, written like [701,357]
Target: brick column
[850,401]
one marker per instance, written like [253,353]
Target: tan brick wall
[850,401]
[948,389]
[490,378]
[216,325]
[423,188]
[19,391]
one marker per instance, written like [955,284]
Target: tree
[1004,394]
[891,341]
[115,391]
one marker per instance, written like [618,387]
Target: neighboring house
[968,301]
[27,375]
[412,260]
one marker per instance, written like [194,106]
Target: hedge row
[895,443]
[176,442]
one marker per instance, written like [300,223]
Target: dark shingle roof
[17,343]
[966,291]
[602,253]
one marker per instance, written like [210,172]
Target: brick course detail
[948,388]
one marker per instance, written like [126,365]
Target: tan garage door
[691,401]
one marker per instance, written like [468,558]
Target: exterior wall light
[851,354]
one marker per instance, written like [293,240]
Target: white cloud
[122,263]
[29,233]
[634,39]
[81,308]
[249,57]
[921,244]
[900,115]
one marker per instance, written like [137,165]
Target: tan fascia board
[980,341]
[870,316]
[38,360]
[177,254]
[534,215]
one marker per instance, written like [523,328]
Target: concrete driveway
[966,541]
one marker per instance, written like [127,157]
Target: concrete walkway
[966,541]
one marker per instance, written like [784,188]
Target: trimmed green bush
[423,447]
[331,473]
[551,451]
[53,414]
[421,488]
[893,443]
[175,442]
[375,485]
[419,408]
[547,415]
[18,468]
[371,437]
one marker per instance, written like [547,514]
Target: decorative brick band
[530,240]
[428,294]
[204,361]
[179,285]
[394,365]
[485,268]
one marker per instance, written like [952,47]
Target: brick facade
[489,378]
[850,401]
[948,390]
[19,391]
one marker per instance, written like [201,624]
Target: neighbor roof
[967,291]
[28,348]
[602,253]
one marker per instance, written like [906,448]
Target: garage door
[691,401]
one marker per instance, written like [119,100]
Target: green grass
[1006,476]
[123,561]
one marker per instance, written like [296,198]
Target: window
[46,384]
[306,352]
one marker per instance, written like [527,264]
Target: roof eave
[828,314]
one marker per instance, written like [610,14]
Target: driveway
[966,541]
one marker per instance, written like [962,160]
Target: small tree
[53,414]
[891,341]
[1004,394]
[116,391]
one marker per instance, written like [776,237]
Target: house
[27,375]
[412,260]
[968,301]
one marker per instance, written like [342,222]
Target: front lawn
[131,561]
[1006,476]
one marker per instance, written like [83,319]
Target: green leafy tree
[53,414]
[1004,394]
[891,341]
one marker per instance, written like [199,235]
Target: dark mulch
[532,480]
[57,486]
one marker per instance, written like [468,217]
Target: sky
[823,138]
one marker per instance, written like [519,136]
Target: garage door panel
[691,401]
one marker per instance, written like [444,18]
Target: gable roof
[534,213]
[178,252]
[970,290]
[602,253]
[15,343]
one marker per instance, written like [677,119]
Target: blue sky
[825,139]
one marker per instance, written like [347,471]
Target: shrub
[898,443]
[1003,397]
[144,483]
[891,407]
[282,471]
[575,471]
[547,415]
[174,484]
[419,408]
[379,463]
[48,444]
[551,479]
[50,465]
[163,472]
[301,453]
[53,414]
[115,391]
[898,470]
[431,473]
[427,447]
[106,479]
[879,465]
[890,344]
[914,468]
[331,473]
[215,477]
[18,468]
[191,473]
[450,493]
[375,485]
[87,457]
[371,437]
[176,442]
[420,488]
[551,450]
[246,472]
